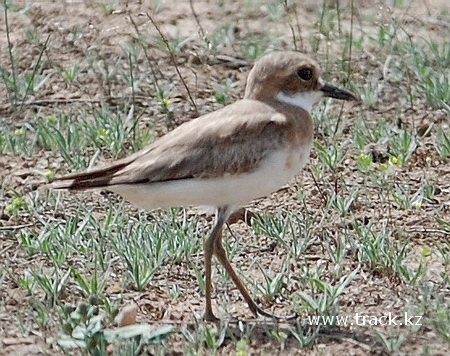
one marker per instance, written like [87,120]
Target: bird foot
[257,311]
[210,317]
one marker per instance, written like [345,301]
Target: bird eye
[305,74]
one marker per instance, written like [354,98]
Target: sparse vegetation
[364,229]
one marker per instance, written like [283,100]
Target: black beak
[336,93]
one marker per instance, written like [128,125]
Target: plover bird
[227,158]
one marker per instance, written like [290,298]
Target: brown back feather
[219,143]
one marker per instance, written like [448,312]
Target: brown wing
[229,141]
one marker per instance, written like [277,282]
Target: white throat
[304,100]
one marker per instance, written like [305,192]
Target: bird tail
[91,179]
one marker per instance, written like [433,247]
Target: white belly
[229,190]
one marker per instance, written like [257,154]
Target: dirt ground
[95,38]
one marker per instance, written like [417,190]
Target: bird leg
[220,253]
[214,246]
[208,248]
[222,215]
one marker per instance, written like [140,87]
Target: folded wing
[230,141]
